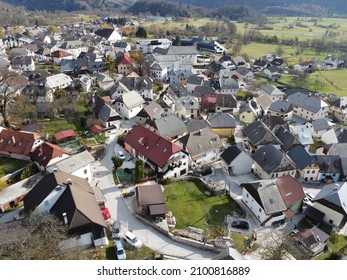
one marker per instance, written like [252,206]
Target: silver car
[116,230]
[120,252]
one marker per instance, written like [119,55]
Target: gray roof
[320,124]
[258,133]
[271,90]
[335,194]
[170,126]
[329,164]
[196,124]
[271,198]
[196,80]
[222,120]
[199,142]
[300,157]
[282,107]
[201,90]
[154,110]
[178,50]
[310,103]
[75,162]
[131,99]
[22,60]
[338,149]
[107,113]
[270,159]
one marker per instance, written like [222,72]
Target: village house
[273,201]
[129,104]
[164,157]
[58,81]
[23,63]
[270,163]
[202,146]
[187,107]
[72,200]
[237,161]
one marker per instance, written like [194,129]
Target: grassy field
[310,31]
[191,206]
[180,25]
[337,246]
[53,126]
[9,165]
[334,81]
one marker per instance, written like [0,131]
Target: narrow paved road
[119,211]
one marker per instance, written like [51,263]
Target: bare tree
[37,239]
[9,87]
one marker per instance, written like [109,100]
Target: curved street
[119,211]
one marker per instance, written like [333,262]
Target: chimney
[68,181]
[65,218]
[263,157]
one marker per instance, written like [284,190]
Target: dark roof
[226,100]
[196,124]
[33,127]
[201,90]
[288,140]
[310,103]
[314,214]
[150,194]
[300,157]
[342,138]
[270,159]
[77,200]
[280,106]
[105,32]
[329,164]
[272,121]
[196,80]
[258,133]
[320,124]
[230,154]
[22,60]
[291,91]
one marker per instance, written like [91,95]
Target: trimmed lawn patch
[192,206]
[9,165]
[53,126]
[337,245]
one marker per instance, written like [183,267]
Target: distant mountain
[292,7]
[71,5]
[167,8]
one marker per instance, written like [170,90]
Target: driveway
[119,211]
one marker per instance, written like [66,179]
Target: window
[247,195]
[259,210]
[85,171]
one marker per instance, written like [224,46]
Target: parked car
[120,252]
[308,198]
[132,239]
[240,225]
[129,192]
[105,213]
[116,230]
[121,155]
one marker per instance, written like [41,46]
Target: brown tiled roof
[64,134]
[154,147]
[47,151]
[17,142]
[290,189]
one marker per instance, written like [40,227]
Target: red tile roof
[157,149]
[64,134]
[47,151]
[126,60]
[17,142]
[290,189]
[96,128]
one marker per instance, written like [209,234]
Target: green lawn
[53,126]
[312,31]
[337,245]
[191,206]
[9,165]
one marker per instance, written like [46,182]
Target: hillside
[166,8]
[71,5]
[289,7]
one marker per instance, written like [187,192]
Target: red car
[105,213]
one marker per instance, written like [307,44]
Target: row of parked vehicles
[129,237]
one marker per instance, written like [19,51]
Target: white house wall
[253,205]
[45,206]
[330,215]
[85,172]
[242,164]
